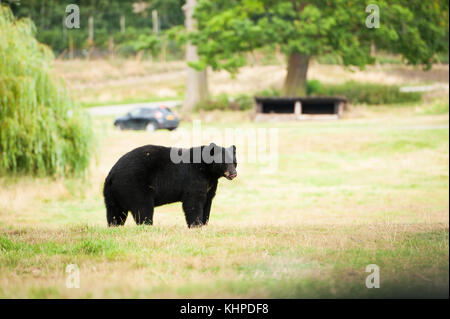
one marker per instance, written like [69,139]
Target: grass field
[349,193]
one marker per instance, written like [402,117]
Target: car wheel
[119,127]
[151,127]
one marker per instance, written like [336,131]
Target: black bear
[151,176]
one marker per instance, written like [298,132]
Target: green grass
[346,194]
[277,263]
[436,108]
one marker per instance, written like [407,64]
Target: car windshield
[140,112]
[135,112]
[147,111]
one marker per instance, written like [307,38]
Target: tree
[197,83]
[227,30]
[42,131]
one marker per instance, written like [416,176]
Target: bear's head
[222,160]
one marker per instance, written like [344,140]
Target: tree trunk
[295,83]
[197,83]
[71,48]
[91,30]
[155,21]
[122,23]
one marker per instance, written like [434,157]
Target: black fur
[147,177]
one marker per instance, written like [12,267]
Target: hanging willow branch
[42,131]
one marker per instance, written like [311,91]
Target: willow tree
[304,29]
[42,132]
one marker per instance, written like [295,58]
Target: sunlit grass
[346,194]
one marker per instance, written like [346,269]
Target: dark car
[149,119]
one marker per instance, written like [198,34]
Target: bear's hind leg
[115,216]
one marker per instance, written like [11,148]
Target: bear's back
[142,161]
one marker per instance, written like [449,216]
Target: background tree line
[123,26]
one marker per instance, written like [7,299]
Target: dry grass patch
[98,82]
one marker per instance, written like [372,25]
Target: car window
[135,112]
[147,111]
[166,110]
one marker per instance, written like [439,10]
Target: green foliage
[177,34]
[134,40]
[332,59]
[41,130]
[224,102]
[270,92]
[147,42]
[314,87]
[443,57]
[388,59]
[243,102]
[218,103]
[356,93]
[364,93]
[437,108]
[228,29]
[48,16]
[419,30]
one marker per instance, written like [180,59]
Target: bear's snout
[230,176]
